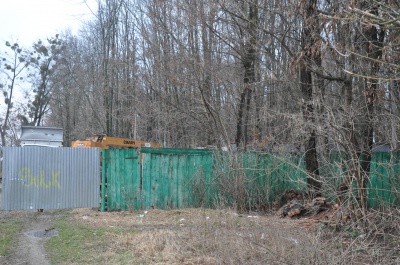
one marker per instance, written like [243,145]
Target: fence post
[103,180]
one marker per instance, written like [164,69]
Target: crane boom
[107,142]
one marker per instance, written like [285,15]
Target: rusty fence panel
[50,178]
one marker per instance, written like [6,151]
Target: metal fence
[121,179]
[177,178]
[50,178]
[384,184]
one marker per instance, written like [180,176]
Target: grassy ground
[200,236]
[82,243]
[9,228]
[189,236]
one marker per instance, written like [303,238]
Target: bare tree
[13,66]
[311,54]
[268,75]
[43,58]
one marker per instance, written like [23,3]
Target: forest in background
[306,76]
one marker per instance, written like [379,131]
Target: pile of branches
[297,204]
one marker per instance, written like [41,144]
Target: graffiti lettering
[39,181]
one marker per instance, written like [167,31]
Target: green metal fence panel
[384,182]
[332,169]
[147,186]
[121,179]
[377,186]
[172,178]
[394,177]
[177,178]
[284,171]
[252,179]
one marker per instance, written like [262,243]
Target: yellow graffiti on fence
[39,181]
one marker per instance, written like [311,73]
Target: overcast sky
[26,21]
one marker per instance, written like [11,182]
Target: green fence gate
[121,181]
[175,178]
[155,178]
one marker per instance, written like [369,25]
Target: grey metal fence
[50,178]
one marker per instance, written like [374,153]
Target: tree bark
[249,62]
[311,53]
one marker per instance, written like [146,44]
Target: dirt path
[29,249]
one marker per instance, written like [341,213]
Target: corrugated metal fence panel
[50,178]
[122,178]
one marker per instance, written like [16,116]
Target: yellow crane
[107,142]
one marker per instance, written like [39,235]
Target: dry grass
[203,236]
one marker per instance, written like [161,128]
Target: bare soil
[29,249]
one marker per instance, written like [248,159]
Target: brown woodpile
[297,204]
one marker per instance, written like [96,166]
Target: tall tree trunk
[249,62]
[373,48]
[310,50]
